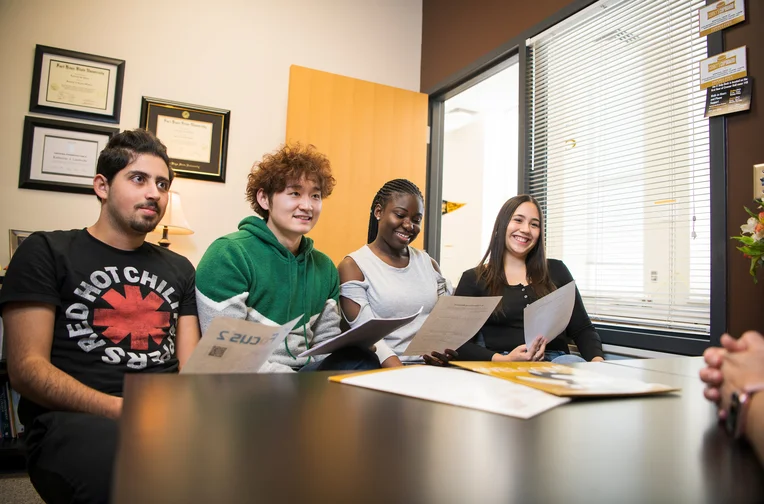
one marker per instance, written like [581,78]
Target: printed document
[549,316]
[453,321]
[363,335]
[232,345]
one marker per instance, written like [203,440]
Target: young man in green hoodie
[269,272]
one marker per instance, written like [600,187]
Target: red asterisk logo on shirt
[132,315]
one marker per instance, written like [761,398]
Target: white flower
[759,235]
[750,226]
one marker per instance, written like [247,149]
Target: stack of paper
[517,389]
[457,387]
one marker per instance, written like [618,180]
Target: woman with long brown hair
[515,267]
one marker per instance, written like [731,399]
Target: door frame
[436,122]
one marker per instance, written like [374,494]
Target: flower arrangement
[752,239]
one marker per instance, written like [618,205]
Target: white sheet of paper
[460,388]
[453,321]
[232,345]
[549,316]
[364,335]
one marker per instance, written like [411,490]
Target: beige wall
[231,54]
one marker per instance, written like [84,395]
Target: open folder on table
[453,321]
[363,335]
[232,345]
[564,381]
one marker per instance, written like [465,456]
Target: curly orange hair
[288,164]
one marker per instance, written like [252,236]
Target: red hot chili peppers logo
[131,316]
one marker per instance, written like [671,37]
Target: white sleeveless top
[390,292]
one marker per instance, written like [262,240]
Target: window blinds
[619,160]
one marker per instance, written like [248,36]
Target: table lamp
[174,220]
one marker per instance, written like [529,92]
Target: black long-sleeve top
[503,331]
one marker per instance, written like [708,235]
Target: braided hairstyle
[383,197]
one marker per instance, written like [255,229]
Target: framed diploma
[196,137]
[61,156]
[75,84]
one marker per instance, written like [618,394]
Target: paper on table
[549,316]
[363,335]
[457,387]
[452,321]
[565,381]
[232,345]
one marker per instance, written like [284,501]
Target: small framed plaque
[196,137]
[15,239]
[75,84]
[61,156]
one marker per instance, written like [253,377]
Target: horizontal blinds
[619,160]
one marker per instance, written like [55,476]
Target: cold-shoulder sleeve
[356,291]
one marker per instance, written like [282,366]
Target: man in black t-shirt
[82,308]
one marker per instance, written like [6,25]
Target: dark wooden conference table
[299,438]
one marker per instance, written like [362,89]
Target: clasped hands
[738,366]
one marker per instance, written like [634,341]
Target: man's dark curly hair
[288,164]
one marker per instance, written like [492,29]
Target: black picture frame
[75,84]
[61,156]
[196,136]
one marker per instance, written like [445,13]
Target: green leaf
[747,240]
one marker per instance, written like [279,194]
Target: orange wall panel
[371,133]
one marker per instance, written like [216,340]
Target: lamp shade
[174,218]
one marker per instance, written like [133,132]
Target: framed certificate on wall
[61,156]
[75,84]
[196,137]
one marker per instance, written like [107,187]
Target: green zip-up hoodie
[250,275]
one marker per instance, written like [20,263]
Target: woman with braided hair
[387,277]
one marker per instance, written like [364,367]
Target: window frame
[655,340]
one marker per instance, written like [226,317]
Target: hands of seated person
[713,376]
[742,371]
[524,354]
[440,359]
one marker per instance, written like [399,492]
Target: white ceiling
[496,93]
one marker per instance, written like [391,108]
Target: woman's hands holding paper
[524,354]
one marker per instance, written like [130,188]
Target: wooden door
[371,133]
